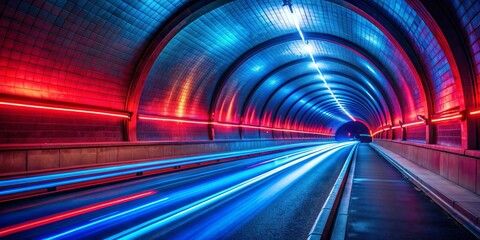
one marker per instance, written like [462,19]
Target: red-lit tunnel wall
[72,55]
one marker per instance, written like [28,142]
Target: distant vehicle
[365,138]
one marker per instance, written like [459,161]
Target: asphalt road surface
[274,196]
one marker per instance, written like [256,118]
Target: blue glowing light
[309,49]
[123,214]
[372,38]
[257,68]
[312,65]
[371,69]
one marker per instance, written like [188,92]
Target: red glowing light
[447,118]
[229,125]
[174,120]
[377,132]
[60,216]
[396,127]
[413,124]
[124,115]
[475,112]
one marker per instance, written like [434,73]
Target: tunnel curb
[323,226]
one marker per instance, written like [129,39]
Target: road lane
[176,203]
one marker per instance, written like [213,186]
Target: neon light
[413,124]
[475,112]
[377,132]
[397,127]
[447,118]
[229,125]
[133,210]
[174,120]
[64,109]
[68,214]
[309,49]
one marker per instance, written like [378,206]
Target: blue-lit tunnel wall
[212,70]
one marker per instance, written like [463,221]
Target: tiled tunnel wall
[467,13]
[446,94]
[71,52]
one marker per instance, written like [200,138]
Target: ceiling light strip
[310,52]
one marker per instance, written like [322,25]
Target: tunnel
[352,131]
[274,119]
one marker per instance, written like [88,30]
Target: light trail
[41,182]
[199,189]
[68,214]
[158,222]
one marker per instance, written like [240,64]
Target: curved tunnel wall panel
[332,50]
[467,13]
[182,79]
[360,31]
[34,126]
[246,76]
[449,134]
[444,90]
[68,52]
[274,83]
[224,132]
[398,134]
[167,131]
[312,106]
[224,54]
[270,106]
[298,106]
[416,134]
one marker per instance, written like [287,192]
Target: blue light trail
[47,181]
[159,222]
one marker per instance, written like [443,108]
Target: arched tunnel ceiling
[239,62]
[204,52]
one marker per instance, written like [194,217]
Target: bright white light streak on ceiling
[309,49]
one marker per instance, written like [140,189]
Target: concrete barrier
[460,166]
[28,158]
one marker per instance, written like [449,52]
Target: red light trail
[64,215]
